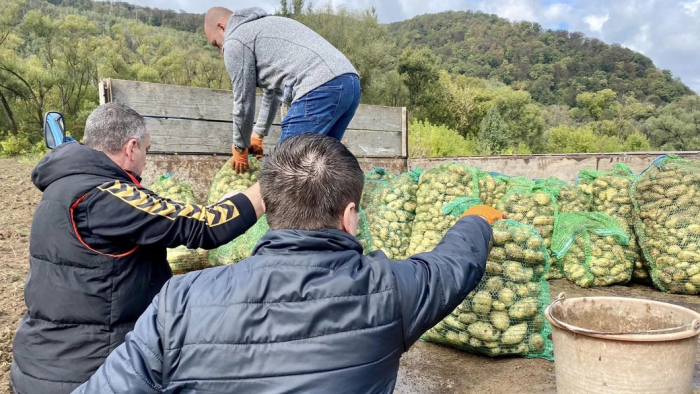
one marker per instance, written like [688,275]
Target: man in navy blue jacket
[307,312]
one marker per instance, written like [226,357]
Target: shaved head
[215,22]
[215,15]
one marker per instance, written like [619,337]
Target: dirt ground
[425,369]
[18,197]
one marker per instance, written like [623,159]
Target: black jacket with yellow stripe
[97,258]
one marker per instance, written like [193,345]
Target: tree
[419,67]
[677,125]
[493,134]
[593,105]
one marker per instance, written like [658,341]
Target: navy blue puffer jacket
[307,313]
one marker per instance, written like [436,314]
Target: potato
[484,331]
[523,309]
[500,320]
[514,334]
[481,304]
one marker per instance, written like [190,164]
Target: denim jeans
[327,110]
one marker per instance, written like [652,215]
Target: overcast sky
[668,31]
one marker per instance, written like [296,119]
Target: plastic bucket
[621,345]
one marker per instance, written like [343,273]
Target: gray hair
[112,125]
[308,181]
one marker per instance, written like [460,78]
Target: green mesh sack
[241,247]
[667,203]
[438,186]
[390,214]
[535,206]
[181,259]
[491,187]
[610,194]
[590,249]
[504,315]
[374,180]
[226,180]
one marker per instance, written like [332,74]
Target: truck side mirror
[54,129]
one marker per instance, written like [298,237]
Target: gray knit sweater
[280,55]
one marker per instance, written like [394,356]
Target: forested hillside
[475,83]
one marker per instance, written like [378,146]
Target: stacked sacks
[610,194]
[390,215]
[181,259]
[667,204]
[504,314]
[225,181]
[438,186]
[590,249]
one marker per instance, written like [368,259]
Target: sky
[667,31]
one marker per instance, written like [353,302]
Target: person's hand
[240,160]
[256,147]
[486,212]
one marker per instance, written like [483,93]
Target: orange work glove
[256,147]
[240,160]
[486,212]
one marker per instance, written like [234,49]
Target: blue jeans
[327,110]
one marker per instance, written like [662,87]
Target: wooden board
[205,137]
[172,101]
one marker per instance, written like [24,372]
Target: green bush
[15,146]
[428,140]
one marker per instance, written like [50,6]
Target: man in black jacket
[98,250]
[307,312]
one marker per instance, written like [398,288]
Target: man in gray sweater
[292,64]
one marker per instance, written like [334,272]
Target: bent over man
[98,250]
[307,312]
[292,64]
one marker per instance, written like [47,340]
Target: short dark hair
[308,181]
[112,125]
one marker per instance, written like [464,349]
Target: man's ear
[129,148]
[221,26]
[262,202]
[351,215]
